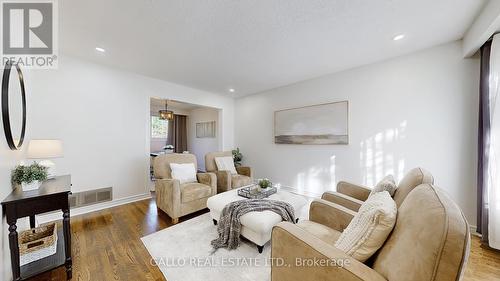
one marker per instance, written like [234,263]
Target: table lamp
[45,150]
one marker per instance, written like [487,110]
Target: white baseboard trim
[54,216]
[473,231]
[301,192]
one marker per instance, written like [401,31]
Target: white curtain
[494,165]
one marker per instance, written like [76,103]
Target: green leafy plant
[264,183]
[237,157]
[27,174]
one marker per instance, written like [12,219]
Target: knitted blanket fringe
[229,225]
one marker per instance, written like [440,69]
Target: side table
[51,196]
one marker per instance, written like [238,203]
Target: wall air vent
[90,197]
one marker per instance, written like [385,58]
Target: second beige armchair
[225,180]
[352,195]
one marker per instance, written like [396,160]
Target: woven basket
[37,243]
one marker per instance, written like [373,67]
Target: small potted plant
[237,157]
[29,177]
[264,183]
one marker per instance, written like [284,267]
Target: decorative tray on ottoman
[255,192]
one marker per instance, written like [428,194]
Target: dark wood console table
[51,196]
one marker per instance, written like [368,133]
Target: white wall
[102,116]
[417,110]
[201,146]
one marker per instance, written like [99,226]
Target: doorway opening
[180,127]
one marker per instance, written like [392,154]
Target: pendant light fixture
[166,114]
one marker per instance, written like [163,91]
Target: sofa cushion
[386,184]
[412,179]
[240,180]
[194,191]
[328,235]
[369,228]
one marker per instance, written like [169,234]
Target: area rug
[183,253]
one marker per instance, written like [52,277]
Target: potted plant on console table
[29,177]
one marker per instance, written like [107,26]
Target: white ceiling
[254,45]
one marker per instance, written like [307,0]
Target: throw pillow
[183,172]
[225,164]
[386,184]
[369,228]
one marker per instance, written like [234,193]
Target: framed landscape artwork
[316,124]
[205,129]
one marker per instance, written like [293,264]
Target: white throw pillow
[369,228]
[386,184]
[225,164]
[183,172]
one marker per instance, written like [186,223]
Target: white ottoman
[255,226]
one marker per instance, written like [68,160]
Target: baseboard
[54,216]
[301,192]
[473,231]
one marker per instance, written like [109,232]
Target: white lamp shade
[43,149]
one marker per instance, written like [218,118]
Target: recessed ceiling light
[232,90]
[100,50]
[398,37]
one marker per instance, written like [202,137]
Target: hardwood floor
[107,246]
[484,264]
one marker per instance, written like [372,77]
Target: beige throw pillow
[386,184]
[225,163]
[183,172]
[369,228]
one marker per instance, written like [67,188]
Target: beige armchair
[430,242]
[178,199]
[225,180]
[352,195]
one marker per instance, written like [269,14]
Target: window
[159,128]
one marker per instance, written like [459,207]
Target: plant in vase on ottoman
[265,183]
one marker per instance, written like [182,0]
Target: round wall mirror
[13,105]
